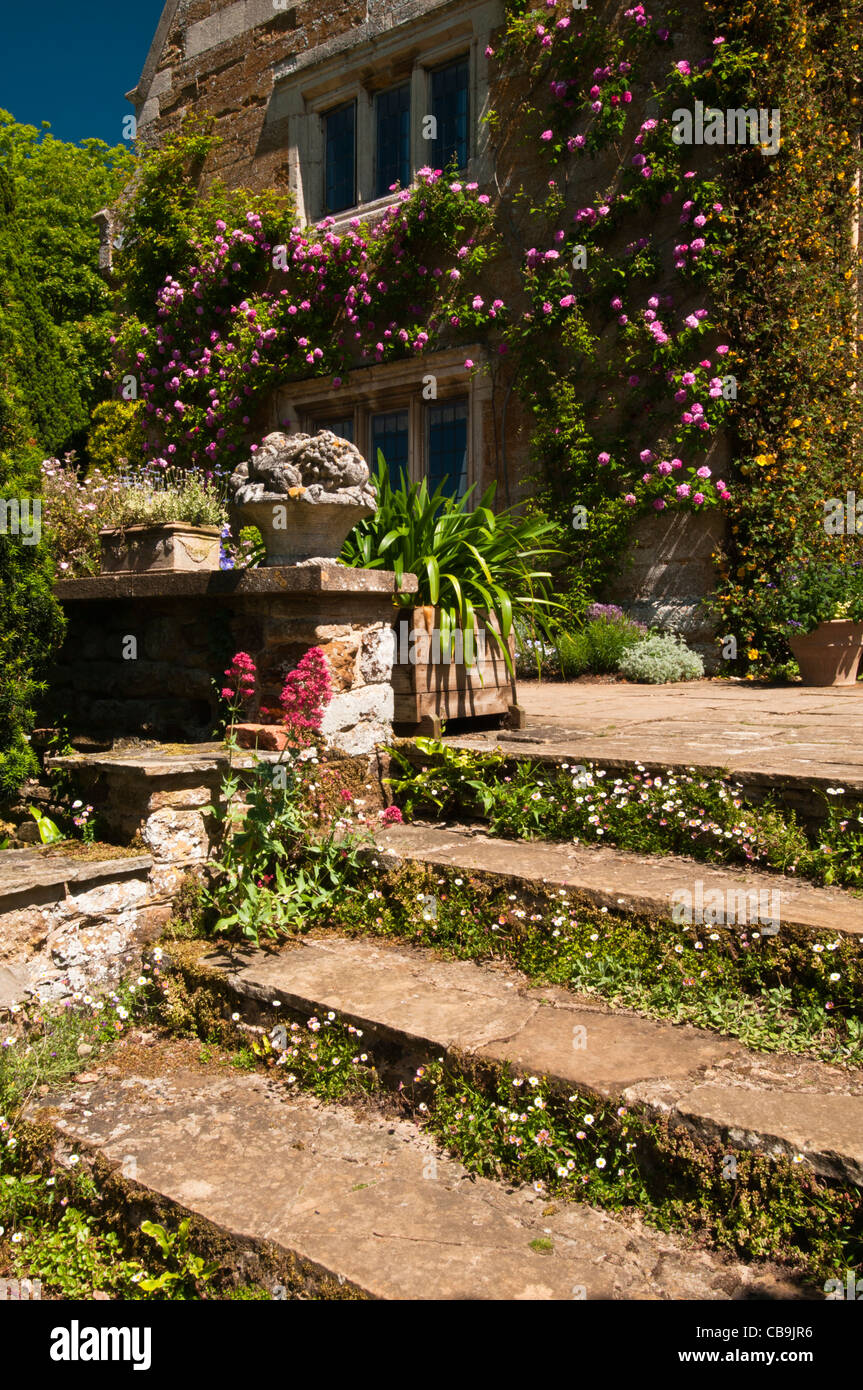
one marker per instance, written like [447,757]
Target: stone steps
[774,1104]
[620,880]
[336,1204]
[798,784]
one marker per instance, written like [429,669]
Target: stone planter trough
[171,546]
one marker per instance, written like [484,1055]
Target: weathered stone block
[184,798]
[355,721]
[176,835]
[377,655]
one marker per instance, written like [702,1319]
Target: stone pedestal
[144,654]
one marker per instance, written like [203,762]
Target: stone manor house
[327,98]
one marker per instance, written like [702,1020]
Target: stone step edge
[256,1260]
[263,1258]
[652,1096]
[755,781]
[56,870]
[393,849]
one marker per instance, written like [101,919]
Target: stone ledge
[23,870]
[220,584]
[620,880]
[163,760]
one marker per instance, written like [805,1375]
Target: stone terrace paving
[781,733]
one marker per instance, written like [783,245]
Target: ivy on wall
[746,319]
[252,301]
[790,295]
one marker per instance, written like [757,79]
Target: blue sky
[71,62]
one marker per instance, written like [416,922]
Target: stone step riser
[805,796]
[697,1081]
[623,883]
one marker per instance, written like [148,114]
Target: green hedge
[32,621]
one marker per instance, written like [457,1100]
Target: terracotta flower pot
[830,654]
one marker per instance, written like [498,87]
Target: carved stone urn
[305,493]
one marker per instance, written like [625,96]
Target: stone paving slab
[372,1201]
[408,994]
[622,881]
[23,871]
[775,733]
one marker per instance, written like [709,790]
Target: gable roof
[138,94]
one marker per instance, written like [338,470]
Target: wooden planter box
[429,689]
[171,546]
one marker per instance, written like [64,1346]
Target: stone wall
[73,924]
[666,573]
[144,655]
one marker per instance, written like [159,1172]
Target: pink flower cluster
[306,693]
[199,367]
[241,673]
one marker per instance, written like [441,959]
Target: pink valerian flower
[391,816]
[306,693]
[241,673]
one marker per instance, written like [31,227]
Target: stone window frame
[309,405]
[408,53]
